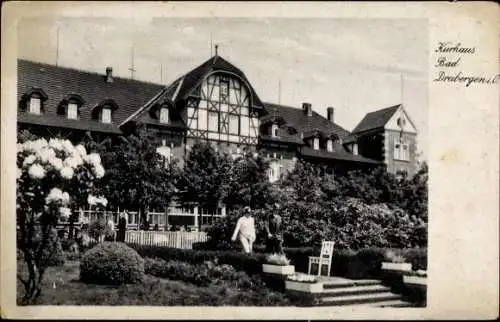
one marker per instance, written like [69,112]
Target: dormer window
[316,143]
[106,115]
[104,111]
[274,130]
[70,106]
[355,149]
[329,145]
[72,111]
[33,101]
[35,105]
[164,115]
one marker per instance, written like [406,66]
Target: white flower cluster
[56,195]
[65,213]
[93,201]
[95,160]
[46,153]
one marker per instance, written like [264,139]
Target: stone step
[359,299]
[391,303]
[349,283]
[353,290]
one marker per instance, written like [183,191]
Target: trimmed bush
[252,264]
[111,263]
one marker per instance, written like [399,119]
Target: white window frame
[72,112]
[316,143]
[213,126]
[234,120]
[274,172]
[164,115]
[401,150]
[35,106]
[329,145]
[106,117]
[274,130]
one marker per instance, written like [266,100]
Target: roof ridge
[87,72]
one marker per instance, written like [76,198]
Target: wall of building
[393,166]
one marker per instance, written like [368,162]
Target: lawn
[62,287]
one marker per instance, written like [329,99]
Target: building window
[164,115]
[165,152]
[72,111]
[329,145]
[274,130]
[106,115]
[401,151]
[274,172]
[355,149]
[213,121]
[35,104]
[316,143]
[233,124]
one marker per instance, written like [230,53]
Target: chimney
[109,74]
[329,114]
[307,109]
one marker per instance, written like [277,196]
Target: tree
[52,177]
[138,176]
[249,184]
[205,178]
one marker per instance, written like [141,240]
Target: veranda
[173,218]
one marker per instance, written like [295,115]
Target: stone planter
[397,267]
[316,287]
[278,269]
[415,280]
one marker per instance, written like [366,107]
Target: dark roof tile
[376,119]
[58,82]
[296,118]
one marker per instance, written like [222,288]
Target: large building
[214,102]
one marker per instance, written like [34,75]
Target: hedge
[252,264]
[363,263]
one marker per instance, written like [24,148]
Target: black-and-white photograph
[273,162]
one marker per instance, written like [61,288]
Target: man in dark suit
[122,227]
[274,243]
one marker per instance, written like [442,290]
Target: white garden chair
[325,257]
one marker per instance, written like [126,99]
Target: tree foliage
[138,177]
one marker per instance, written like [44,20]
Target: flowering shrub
[52,177]
[277,259]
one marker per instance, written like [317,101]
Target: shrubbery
[252,264]
[201,274]
[111,263]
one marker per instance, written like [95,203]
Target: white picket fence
[173,239]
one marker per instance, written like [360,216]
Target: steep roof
[193,78]
[295,118]
[58,82]
[375,120]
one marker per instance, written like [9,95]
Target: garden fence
[173,239]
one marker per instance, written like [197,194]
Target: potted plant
[278,264]
[303,283]
[418,277]
[395,262]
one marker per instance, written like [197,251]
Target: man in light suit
[245,229]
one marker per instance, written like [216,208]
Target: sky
[355,65]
